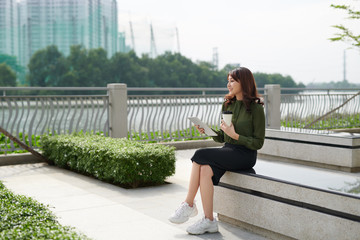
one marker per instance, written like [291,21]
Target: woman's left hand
[229,130]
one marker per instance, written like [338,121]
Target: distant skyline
[28,26]
[286,37]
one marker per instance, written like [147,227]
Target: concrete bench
[325,149]
[280,207]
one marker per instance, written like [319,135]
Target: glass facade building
[37,24]
[8,27]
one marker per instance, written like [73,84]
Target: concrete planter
[334,150]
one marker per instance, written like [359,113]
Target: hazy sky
[279,36]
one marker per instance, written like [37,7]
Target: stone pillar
[117,110]
[272,105]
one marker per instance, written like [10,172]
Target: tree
[47,67]
[7,76]
[275,78]
[98,68]
[127,68]
[92,68]
[12,62]
[78,68]
[346,35]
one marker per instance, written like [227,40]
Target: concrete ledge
[180,145]
[330,200]
[280,210]
[307,163]
[18,158]
[279,219]
[252,228]
[334,150]
[349,130]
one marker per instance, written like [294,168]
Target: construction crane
[215,60]
[153,52]
[132,36]
[177,39]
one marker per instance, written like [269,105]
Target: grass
[166,136]
[5,142]
[335,122]
[22,217]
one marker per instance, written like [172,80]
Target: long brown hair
[248,87]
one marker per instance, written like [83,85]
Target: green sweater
[249,126]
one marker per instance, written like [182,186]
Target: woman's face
[233,86]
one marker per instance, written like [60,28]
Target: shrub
[24,218]
[119,161]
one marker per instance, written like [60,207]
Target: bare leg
[193,184]
[207,190]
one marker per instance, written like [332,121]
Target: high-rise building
[122,47]
[8,27]
[31,25]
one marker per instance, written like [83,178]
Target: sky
[279,36]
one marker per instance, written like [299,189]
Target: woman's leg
[207,190]
[193,184]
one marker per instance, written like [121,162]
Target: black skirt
[228,158]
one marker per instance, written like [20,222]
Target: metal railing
[29,117]
[305,110]
[159,117]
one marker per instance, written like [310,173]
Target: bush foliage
[119,161]
[24,218]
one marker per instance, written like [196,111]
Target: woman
[242,139]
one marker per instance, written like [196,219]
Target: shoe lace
[180,209]
[199,222]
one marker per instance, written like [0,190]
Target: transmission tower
[132,36]
[215,60]
[153,52]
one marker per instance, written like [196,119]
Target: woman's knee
[195,164]
[206,171]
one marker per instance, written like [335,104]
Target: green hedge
[119,161]
[24,218]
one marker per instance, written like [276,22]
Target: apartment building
[29,25]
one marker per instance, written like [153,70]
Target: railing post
[273,99]
[117,110]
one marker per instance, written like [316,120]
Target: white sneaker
[183,213]
[202,226]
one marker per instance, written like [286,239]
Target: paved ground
[105,211]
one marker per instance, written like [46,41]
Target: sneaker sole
[179,222]
[209,231]
[193,214]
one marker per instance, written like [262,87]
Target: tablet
[208,130]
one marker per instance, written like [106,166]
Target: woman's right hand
[201,130]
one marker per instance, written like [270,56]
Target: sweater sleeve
[256,141]
[220,136]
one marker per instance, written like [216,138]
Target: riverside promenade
[105,211]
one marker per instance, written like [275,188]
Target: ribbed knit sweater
[249,126]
